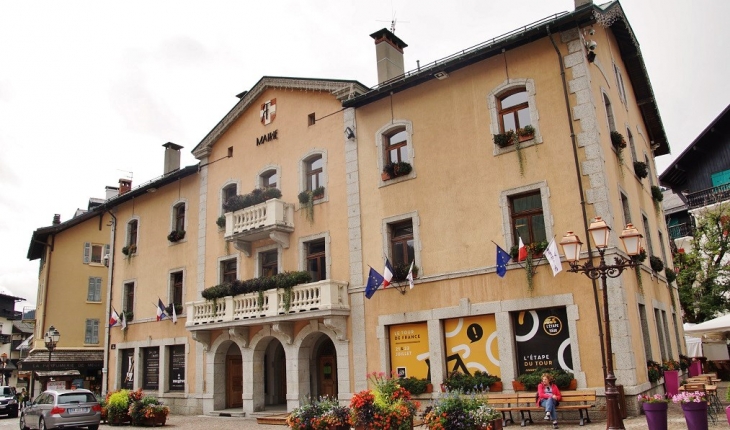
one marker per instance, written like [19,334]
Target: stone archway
[224,360]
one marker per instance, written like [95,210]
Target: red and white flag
[113,318]
[387,273]
[522,253]
[410,275]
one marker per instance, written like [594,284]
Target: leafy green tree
[704,271]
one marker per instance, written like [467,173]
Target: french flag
[522,253]
[160,310]
[387,273]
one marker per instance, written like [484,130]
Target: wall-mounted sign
[409,350]
[177,368]
[471,344]
[151,371]
[268,112]
[268,137]
[542,339]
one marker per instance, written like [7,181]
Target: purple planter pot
[656,415]
[671,382]
[695,415]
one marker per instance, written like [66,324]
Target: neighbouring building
[8,357]
[524,137]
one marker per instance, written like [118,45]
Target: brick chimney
[389,55]
[172,157]
[125,185]
[581,3]
[56,219]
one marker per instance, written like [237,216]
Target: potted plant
[618,141]
[454,410]
[129,250]
[394,169]
[670,275]
[466,383]
[178,308]
[221,221]
[128,315]
[147,411]
[386,405]
[400,272]
[641,169]
[655,408]
[656,263]
[176,235]
[324,413]
[694,406]
[670,370]
[117,406]
[654,371]
[255,197]
[414,385]
[506,139]
[530,380]
[656,194]
[526,133]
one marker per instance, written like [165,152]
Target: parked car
[8,402]
[62,408]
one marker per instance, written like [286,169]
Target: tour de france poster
[409,350]
[471,344]
[542,339]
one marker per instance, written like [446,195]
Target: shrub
[671,276]
[532,379]
[255,197]
[479,381]
[656,194]
[176,235]
[414,385]
[221,221]
[656,263]
[641,169]
[654,371]
[505,139]
[618,141]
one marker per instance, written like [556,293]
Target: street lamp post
[571,244]
[51,339]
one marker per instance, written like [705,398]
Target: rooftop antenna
[129,174]
[393,19]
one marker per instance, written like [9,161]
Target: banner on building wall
[471,344]
[542,339]
[409,350]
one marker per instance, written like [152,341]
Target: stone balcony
[314,300]
[273,219]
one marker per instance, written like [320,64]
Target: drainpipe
[580,190]
[110,275]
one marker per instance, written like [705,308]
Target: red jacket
[541,394]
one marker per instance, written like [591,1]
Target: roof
[676,173]
[8,296]
[64,355]
[58,373]
[609,14]
[672,202]
[341,89]
[23,327]
[39,239]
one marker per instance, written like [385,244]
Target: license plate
[77,410]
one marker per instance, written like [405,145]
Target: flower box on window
[129,250]
[617,140]
[526,133]
[506,139]
[176,235]
[641,169]
[393,170]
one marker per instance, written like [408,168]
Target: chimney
[389,55]
[581,3]
[125,185]
[111,191]
[172,157]
[56,219]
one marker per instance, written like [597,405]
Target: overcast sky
[90,90]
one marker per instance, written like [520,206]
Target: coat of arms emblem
[268,111]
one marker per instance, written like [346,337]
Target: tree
[703,274]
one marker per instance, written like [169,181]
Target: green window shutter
[107,251]
[98,289]
[87,252]
[87,335]
[95,331]
[90,292]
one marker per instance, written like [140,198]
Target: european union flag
[502,259]
[375,279]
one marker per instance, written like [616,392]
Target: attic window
[230,151]
[310,119]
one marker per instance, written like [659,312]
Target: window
[631,144]
[396,146]
[132,229]
[527,217]
[625,207]
[647,236]
[648,167]
[311,119]
[666,334]
[227,192]
[402,243]
[661,248]
[313,172]
[660,334]
[176,288]
[127,374]
[609,113]
[620,83]
[645,331]
[92,331]
[94,252]
[316,259]
[228,271]
[151,368]
[128,299]
[269,179]
[179,213]
[269,263]
[230,151]
[514,110]
[94,292]
[176,367]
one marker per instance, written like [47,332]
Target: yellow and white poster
[471,344]
[409,350]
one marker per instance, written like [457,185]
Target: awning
[79,359]
[44,373]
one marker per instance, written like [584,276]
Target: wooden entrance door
[234,382]
[327,375]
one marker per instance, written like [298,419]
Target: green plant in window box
[617,140]
[414,385]
[400,272]
[639,258]
[656,263]
[176,235]
[255,197]
[526,131]
[128,315]
[654,371]
[641,169]
[670,275]
[129,250]
[178,309]
[393,170]
[221,221]
[466,383]
[656,194]
[506,139]
[307,198]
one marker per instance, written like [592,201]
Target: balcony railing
[324,295]
[680,230]
[709,196]
[272,219]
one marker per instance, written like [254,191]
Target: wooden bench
[504,403]
[580,401]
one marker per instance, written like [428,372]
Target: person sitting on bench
[548,396]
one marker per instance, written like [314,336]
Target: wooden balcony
[313,300]
[708,197]
[273,219]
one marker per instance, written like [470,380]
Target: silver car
[62,408]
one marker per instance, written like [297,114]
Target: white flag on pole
[552,256]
